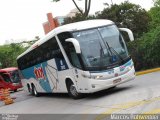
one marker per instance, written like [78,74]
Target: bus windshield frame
[102,47]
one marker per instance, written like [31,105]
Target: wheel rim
[73,90]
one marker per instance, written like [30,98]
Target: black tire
[72,91]
[15,90]
[112,87]
[29,89]
[34,91]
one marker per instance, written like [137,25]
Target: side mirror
[75,43]
[130,34]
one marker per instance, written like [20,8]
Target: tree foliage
[150,41]
[127,15]
[9,53]
[145,50]
[155,13]
[151,45]
[156,3]
[78,17]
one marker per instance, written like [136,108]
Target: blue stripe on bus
[44,83]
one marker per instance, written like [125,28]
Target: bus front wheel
[72,91]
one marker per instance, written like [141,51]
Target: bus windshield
[101,47]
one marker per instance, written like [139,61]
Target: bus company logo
[39,73]
[122,67]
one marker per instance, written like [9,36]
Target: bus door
[77,66]
[74,60]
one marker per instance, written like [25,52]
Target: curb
[147,71]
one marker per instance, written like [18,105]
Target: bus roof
[68,28]
[8,69]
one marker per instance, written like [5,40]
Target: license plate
[117,81]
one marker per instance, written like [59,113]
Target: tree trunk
[87,8]
[77,7]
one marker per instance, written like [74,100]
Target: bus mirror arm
[130,34]
[75,43]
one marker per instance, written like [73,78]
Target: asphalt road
[139,96]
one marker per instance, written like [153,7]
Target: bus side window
[51,50]
[42,53]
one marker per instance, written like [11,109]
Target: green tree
[127,15]
[77,17]
[156,3]
[9,53]
[145,50]
[87,7]
[154,12]
[151,47]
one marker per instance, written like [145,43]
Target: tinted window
[5,77]
[44,52]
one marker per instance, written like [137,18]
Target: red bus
[10,78]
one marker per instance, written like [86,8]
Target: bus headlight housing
[130,67]
[96,76]
[85,75]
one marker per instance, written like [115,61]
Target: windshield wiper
[120,57]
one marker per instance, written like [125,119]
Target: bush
[145,51]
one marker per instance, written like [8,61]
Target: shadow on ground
[99,94]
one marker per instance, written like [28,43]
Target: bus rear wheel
[34,91]
[15,90]
[29,88]
[72,91]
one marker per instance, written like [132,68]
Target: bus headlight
[96,76]
[90,76]
[130,67]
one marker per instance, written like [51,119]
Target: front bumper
[98,85]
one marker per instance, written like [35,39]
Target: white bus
[81,57]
